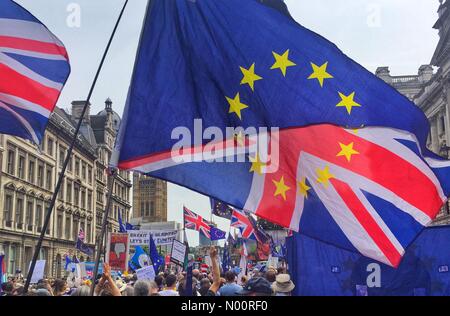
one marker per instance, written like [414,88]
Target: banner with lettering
[161,237]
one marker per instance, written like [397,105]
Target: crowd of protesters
[272,282]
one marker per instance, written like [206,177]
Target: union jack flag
[247,226]
[34,66]
[196,222]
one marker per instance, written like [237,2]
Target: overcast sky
[394,33]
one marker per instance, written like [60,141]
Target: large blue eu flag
[345,154]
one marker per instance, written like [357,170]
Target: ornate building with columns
[28,176]
[430,91]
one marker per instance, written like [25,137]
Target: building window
[99,196]
[442,124]
[89,175]
[50,147]
[11,161]
[21,167]
[8,209]
[76,194]
[29,215]
[83,199]
[40,175]
[68,230]
[48,180]
[19,210]
[77,167]
[59,224]
[69,166]
[89,200]
[62,156]
[31,171]
[83,171]
[69,192]
[38,218]
[61,191]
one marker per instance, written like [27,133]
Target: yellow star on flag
[236,106]
[348,102]
[347,151]
[282,62]
[324,176]
[303,188]
[320,73]
[249,76]
[282,188]
[257,165]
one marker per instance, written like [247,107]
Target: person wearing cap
[283,286]
[256,286]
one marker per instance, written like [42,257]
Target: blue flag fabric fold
[122,227]
[319,268]
[157,259]
[84,248]
[217,234]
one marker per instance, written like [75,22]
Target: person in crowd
[271,275]
[44,285]
[106,285]
[142,288]
[231,287]
[283,286]
[59,287]
[215,272]
[7,288]
[159,280]
[244,280]
[205,284]
[83,290]
[170,287]
[256,286]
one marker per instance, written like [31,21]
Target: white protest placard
[160,237]
[178,252]
[146,273]
[38,273]
[272,262]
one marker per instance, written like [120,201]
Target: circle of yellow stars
[283,62]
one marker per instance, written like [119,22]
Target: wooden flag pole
[69,154]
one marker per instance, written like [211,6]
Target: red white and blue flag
[34,66]
[247,226]
[196,222]
[370,190]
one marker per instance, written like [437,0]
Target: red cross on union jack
[196,222]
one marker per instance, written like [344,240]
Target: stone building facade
[430,91]
[28,176]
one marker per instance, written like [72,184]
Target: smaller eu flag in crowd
[217,234]
[221,209]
